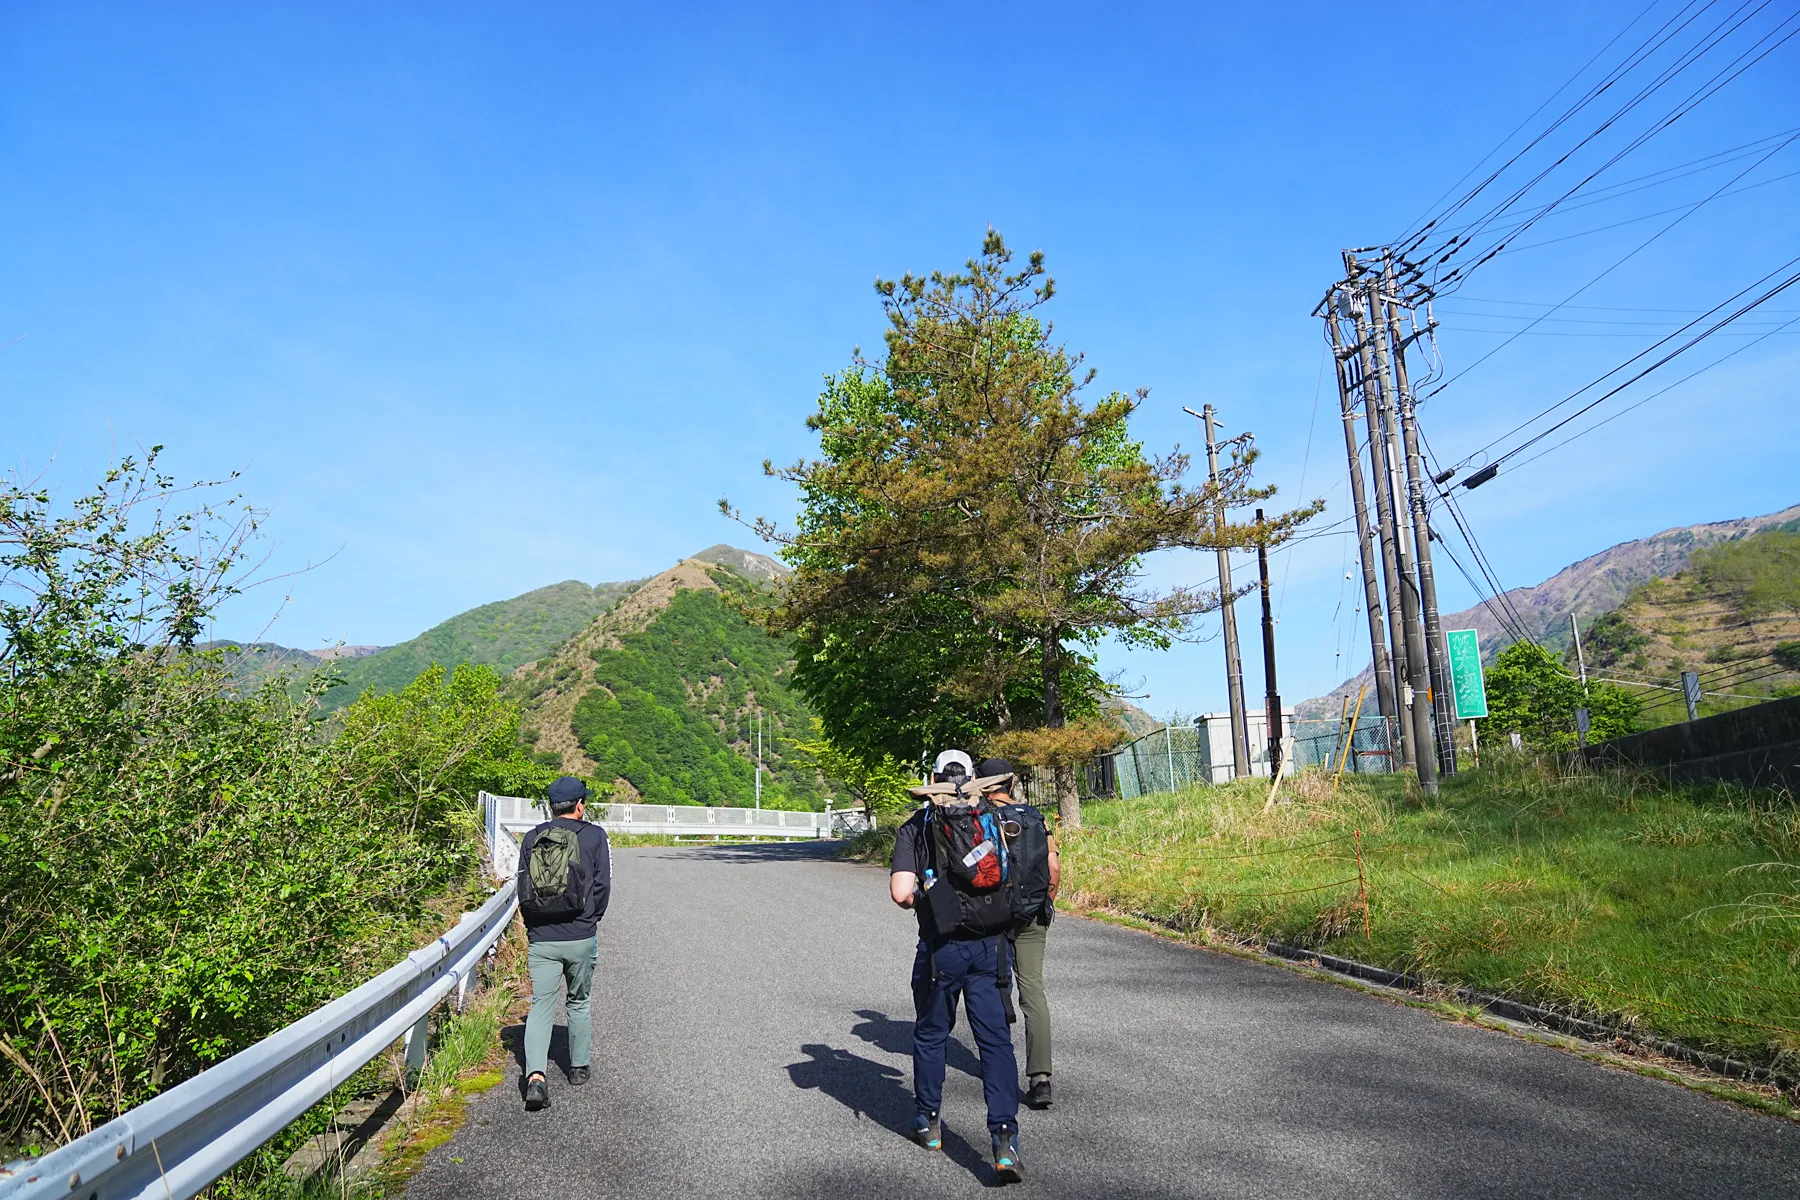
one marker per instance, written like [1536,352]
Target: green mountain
[660,696]
[1732,615]
[503,635]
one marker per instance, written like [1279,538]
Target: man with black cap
[562,897]
[1028,956]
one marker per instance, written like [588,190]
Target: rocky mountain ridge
[1594,585]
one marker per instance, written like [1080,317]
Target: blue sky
[482,298]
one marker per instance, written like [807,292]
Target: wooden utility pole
[1381,665]
[1234,666]
[1402,729]
[1442,710]
[1417,697]
[1271,693]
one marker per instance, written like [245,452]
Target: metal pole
[759,760]
[1443,717]
[1380,662]
[1580,660]
[1418,671]
[1234,666]
[1384,512]
[1169,748]
[1272,692]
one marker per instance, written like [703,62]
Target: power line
[1637,404]
[1477,479]
[1592,93]
[1628,256]
[1683,62]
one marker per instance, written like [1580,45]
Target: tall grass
[1669,910]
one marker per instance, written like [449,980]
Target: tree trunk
[1068,800]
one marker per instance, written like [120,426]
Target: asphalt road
[752,1039]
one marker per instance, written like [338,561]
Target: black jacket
[596,852]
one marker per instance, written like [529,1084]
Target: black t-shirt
[911,853]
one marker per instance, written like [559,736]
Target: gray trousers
[552,965]
[1028,966]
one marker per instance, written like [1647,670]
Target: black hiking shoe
[1008,1166]
[537,1094]
[1038,1095]
[578,1076]
[928,1132]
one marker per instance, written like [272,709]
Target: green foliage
[878,784]
[1788,655]
[504,635]
[1758,575]
[1613,639]
[974,521]
[671,702]
[188,865]
[1600,894]
[1531,693]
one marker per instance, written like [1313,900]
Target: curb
[1531,1014]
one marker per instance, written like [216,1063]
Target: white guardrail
[173,1146]
[514,815]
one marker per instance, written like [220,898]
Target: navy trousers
[969,968]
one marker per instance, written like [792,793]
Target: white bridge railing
[173,1146]
[513,815]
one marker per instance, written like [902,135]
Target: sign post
[1466,682]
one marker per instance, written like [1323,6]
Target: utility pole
[1418,672]
[1402,729]
[1234,666]
[759,768]
[1443,716]
[1580,659]
[1272,694]
[1380,663]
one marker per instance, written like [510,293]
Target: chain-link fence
[1178,756]
[1321,744]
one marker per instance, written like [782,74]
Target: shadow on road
[512,1038]
[885,1033]
[879,1092]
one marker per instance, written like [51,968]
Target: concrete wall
[1757,746]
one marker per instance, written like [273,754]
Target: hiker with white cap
[949,868]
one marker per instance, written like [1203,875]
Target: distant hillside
[1733,617]
[660,695]
[503,635]
[1588,588]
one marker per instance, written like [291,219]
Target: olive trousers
[1028,968]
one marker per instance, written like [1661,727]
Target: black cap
[993,766]
[566,793]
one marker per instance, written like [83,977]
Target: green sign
[1465,674]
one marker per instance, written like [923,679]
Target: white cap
[953,756]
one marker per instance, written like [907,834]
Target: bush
[188,867]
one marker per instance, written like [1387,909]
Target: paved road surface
[752,1040]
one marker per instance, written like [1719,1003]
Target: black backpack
[1028,855]
[553,881]
[969,882]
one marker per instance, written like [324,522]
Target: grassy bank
[1673,910]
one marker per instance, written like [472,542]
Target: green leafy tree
[973,513]
[1531,693]
[878,784]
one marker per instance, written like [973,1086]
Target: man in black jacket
[564,951]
